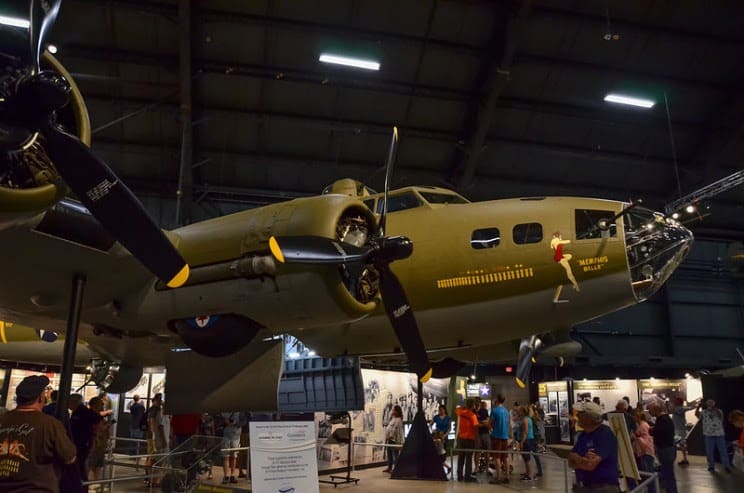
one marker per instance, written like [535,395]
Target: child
[441,452]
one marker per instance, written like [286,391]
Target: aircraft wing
[40,257]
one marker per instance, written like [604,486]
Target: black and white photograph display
[382,391]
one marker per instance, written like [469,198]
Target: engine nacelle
[113,377]
[29,182]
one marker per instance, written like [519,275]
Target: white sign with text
[283,457]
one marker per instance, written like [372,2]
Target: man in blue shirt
[594,457]
[501,428]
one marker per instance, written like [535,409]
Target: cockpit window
[527,233]
[400,202]
[370,203]
[442,198]
[485,238]
[592,223]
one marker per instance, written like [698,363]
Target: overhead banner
[283,457]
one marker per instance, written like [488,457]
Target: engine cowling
[29,182]
[115,377]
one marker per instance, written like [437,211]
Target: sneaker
[728,470]
[683,463]
[471,479]
[711,469]
[225,480]
[233,480]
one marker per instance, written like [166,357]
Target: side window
[370,203]
[485,238]
[400,202]
[527,233]
[594,224]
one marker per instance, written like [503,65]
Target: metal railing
[651,479]
[153,470]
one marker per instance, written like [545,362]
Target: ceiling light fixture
[629,100]
[52,49]
[349,61]
[690,209]
[14,21]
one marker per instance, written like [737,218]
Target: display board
[609,392]
[625,456]
[554,398]
[382,391]
[78,385]
[149,385]
[283,457]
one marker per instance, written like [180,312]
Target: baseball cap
[31,387]
[588,407]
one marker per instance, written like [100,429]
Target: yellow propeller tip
[275,250]
[426,376]
[180,278]
[520,383]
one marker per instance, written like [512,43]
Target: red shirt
[185,424]
[468,423]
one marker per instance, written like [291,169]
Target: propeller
[526,358]
[380,252]
[38,96]
[42,16]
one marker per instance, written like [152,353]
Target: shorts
[155,446]
[529,446]
[230,442]
[500,444]
[95,459]
[484,441]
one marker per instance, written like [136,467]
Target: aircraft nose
[655,246]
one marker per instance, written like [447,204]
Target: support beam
[185,175]
[493,78]
[71,337]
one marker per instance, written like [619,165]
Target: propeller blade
[525,359]
[388,173]
[42,16]
[404,323]
[315,250]
[114,205]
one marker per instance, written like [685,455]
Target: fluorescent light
[52,49]
[690,209]
[14,21]
[619,98]
[349,61]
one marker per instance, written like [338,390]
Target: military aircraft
[336,270]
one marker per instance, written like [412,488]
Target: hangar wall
[696,321]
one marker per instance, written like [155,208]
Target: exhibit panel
[553,396]
[80,384]
[382,391]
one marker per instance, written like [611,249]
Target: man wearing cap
[33,445]
[594,457]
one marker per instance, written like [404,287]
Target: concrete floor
[692,479]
